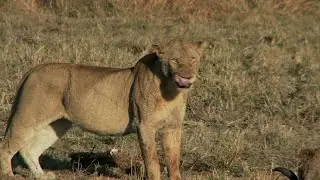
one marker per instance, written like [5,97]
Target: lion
[309,167]
[146,98]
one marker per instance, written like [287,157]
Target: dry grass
[255,105]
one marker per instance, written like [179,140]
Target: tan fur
[27,4]
[145,98]
[309,166]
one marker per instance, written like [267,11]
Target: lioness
[148,97]
[309,167]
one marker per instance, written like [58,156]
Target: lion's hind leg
[5,160]
[15,139]
[22,135]
[40,142]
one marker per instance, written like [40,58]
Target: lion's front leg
[171,146]
[147,141]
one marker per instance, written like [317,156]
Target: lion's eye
[174,61]
[193,59]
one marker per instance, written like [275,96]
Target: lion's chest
[168,112]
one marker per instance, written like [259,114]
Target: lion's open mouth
[183,86]
[183,82]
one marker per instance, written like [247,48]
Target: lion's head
[180,61]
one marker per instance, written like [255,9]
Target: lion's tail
[291,175]
[17,96]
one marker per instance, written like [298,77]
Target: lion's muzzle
[183,82]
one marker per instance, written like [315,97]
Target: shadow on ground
[83,162]
[101,164]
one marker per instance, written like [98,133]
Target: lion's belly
[99,100]
[105,125]
[103,121]
[101,113]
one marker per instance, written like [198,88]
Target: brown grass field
[256,102]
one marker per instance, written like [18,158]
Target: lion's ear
[201,45]
[157,49]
